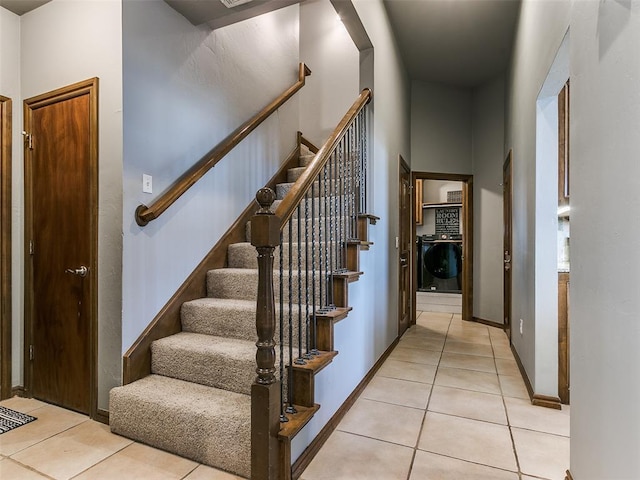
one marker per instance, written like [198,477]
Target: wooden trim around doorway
[467,239]
[86,87]
[5,246]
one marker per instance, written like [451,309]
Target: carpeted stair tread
[225,363]
[243,255]
[242,283]
[205,424]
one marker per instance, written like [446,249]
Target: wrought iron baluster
[290,408]
[299,360]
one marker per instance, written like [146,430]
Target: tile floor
[449,403]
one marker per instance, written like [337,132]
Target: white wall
[185,89]
[63,42]
[10,87]
[605,263]
[440,128]
[488,157]
[327,48]
[373,324]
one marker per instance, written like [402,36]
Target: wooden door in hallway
[405,246]
[5,247]
[61,239]
[507,214]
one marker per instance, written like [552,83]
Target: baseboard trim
[489,322]
[102,416]
[568,477]
[18,391]
[536,399]
[312,450]
[546,401]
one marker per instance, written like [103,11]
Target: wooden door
[405,244]
[507,241]
[5,247]
[61,197]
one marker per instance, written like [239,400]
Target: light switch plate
[147,185]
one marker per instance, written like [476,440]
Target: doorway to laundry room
[443,233]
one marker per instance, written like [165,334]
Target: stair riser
[224,283]
[310,226]
[244,256]
[294,173]
[211,321]
[335,187]
[209,368]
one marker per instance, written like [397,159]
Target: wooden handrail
[303,184]
[146,214]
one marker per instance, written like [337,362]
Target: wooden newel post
[265,391]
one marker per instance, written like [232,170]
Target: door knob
[82,271]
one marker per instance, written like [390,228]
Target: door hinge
[30,247]
[28,140]
[30,352]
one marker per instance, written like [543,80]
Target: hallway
[475,421]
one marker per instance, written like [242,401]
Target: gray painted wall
[487,159]
[327,48]
[61,43]
[373,324]
[605,112]
[185,89]
[441,134]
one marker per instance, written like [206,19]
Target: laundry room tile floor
[448,403]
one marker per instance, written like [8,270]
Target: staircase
[196,403]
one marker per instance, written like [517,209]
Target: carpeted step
[225,363]
[242,283]
[308,225]
[243,255]
[332,185]
[232,318]
[205,424]
[306,158]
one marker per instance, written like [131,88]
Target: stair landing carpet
[10,419]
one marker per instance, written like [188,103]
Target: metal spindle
[307,354]
[299,360]
[290,408]
[314,342]
[283,417]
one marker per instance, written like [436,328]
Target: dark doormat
[10,419]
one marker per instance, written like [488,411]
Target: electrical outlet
[147,185]
[521,322]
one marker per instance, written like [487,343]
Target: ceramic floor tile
[415,372]
[423,343]
[469,327]
[398,392]
[468,348]
[51,421]
[472,440]
[468,362]
[24,405]
[502,351]
[524,415]
[513,386]
[350,457]
[414,355]
[429,466]
[464,403]
[541,454]
[12,470]
[434,316]
[383,421]
[527,477]
[468,337]
[468,380]
[204,472]
[507,367]
[73,451]
[142,463]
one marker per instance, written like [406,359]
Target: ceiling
[456,42]
[20,7]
